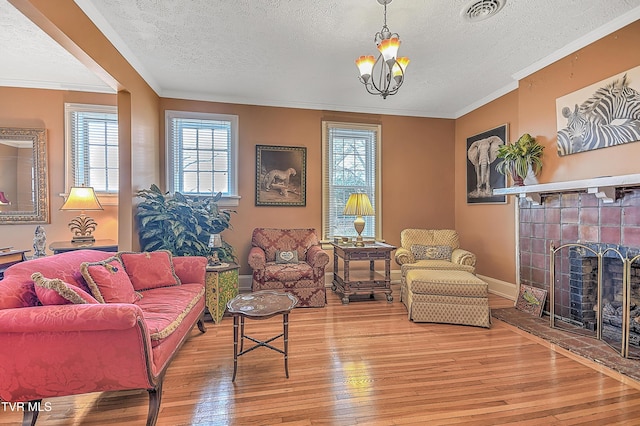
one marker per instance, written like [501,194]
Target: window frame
[106,198]
[377,201]
[230,199]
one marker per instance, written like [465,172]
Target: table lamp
[215,241]
[359,205]
[82,198]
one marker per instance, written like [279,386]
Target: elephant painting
[481,154]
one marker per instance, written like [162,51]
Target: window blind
[201,153]
[350,164]
[93,146]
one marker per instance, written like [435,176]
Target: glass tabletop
[262,303]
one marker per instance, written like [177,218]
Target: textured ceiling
[300,53]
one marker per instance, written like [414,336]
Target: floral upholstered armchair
[432,249]
[289,260]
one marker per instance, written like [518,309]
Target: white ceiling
[300,53]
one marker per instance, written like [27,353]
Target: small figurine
[39,242]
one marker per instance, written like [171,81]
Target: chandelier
[383,76]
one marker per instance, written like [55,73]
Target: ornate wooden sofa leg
[155,397]
[30,416]
[201,326]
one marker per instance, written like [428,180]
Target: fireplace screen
[595,291]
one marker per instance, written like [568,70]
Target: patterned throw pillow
[421,252]
[286,256]
[57,292]
[108,281]
[150,269]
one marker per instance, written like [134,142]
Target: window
[351,163]
[202,154]
[91,134]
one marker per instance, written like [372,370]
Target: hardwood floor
[366,364]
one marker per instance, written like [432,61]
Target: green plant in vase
[182,224]
[518,157]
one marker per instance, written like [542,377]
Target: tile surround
[569,218]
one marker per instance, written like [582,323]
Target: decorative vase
[517,180]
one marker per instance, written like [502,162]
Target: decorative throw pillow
[57,292]
[150,269]
[421,252]
[108,281]
[286,256]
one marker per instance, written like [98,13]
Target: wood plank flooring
[366,364]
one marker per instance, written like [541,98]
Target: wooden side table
[221,286]
[64,246]
[11,257]
[362,282]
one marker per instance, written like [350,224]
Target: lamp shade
[82,198]
[215,241]
[3,199]
[358,205]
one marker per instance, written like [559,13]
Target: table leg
[241,334]
[236,320]
[285,325]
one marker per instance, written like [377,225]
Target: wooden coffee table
[260,305]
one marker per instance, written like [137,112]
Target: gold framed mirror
[24,186]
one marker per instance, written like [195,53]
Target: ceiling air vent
[479,10]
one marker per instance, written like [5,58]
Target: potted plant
[519,157]
[182,224]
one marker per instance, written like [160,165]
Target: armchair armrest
[70,318]
[463,257]
[403,256]
[73,349]
[190,269]
[316,257]
[257,258]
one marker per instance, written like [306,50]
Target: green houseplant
[182,224]
[517,158]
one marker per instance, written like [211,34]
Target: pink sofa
[69,349]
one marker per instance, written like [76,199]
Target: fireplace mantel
[603,188]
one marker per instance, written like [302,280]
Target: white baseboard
[501,288]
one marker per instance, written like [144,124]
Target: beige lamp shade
[82,198]
[358,205]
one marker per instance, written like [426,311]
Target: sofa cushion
[286,256]
[57,292]
[108,281]
[150,269]
[287,272]
[422,252]
[165,308]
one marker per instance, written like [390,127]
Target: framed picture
[531,300]
[281,175]
[482,157]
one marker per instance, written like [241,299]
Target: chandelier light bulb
[400,67]
[365,65]
[389,49]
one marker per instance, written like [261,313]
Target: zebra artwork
[611,116]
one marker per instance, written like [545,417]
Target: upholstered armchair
[432,249]
[289,260]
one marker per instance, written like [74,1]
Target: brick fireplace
[572,217]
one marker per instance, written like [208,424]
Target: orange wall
[489,230]
[34,108]
[417,168]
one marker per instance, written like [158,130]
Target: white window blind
[351,163]
[201,153]
[92,147]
